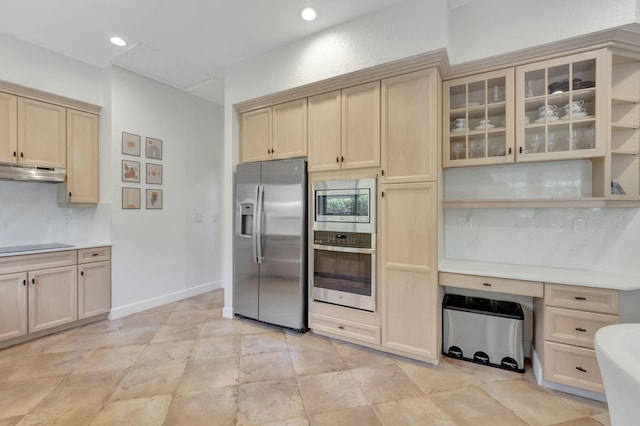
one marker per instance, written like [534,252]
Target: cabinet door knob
[24,282]
[520,151]
[22,155]
[15,154]
[382,194]
[382,171]
[509,151]
[33,281]
[69,195]
[342,159]
[82,273]
[337,159]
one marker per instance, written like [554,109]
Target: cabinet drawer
[572,366]
[94,254]
[574,327]
[347,330]
[31,262]
[583,298]
[500,285]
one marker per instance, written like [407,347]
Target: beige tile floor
[183,364]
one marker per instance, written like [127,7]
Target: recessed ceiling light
[308,14]
[118,41]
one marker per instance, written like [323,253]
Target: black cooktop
[32,247]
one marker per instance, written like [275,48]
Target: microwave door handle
[258,224]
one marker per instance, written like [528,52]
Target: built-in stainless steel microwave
[345,205]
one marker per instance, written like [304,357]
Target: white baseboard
[227,312]
[143,305]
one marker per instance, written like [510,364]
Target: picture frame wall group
[131,172]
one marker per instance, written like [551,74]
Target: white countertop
[75,246]
[581,277]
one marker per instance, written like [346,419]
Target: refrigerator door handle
[258,225]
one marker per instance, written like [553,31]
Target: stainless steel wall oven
[343,264]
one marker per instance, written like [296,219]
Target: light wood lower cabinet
[13,305]
[41,293]
[410,296]
[94,289]
[53,297]
[568,318]
[346,329]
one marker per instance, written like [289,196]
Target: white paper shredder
[484,331]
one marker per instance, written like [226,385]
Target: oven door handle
[345,249]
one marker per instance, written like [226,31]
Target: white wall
[471,29]
[32,66]
[164,255]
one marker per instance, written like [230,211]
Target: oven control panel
[342,239]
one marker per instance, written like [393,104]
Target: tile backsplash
[30,214]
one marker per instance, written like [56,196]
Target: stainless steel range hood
[32,173]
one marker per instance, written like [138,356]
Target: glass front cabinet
[479,126]
[561,108]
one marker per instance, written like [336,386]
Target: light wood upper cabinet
[13,305]
[290,129]
[478,120]
[41,133]
[8,128]
[325,131]
[410,296]
[275,132]
[53,297]
[256,135]
[562,107]
[82,157]
[410,105]
[361,126]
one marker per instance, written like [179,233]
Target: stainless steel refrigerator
[270,242]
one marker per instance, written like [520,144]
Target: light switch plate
[579,225]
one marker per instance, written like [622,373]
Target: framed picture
[154,199]
[130,171]
[130,198]
[154,173]
[130,144]
[153,149]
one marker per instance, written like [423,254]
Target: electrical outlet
[579,225]
[214,217]
[464,223]
[198,217]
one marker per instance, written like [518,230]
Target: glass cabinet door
[557,105]
[478,120]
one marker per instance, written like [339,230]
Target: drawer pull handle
[486,284]
[581,330]
[581,369]
[580,298]
[341,327]
[95,254]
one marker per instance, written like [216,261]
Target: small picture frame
[130,171]
[154,199]
[130,198]
[130,144]
[153,148]
[154,174]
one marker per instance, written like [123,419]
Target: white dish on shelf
[459,130]
[541,120]
[579,115]
[488,126]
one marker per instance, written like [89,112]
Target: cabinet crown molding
[39,95]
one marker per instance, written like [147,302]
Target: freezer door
[283,277]
[245,268]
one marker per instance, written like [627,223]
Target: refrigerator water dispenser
[246,219]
